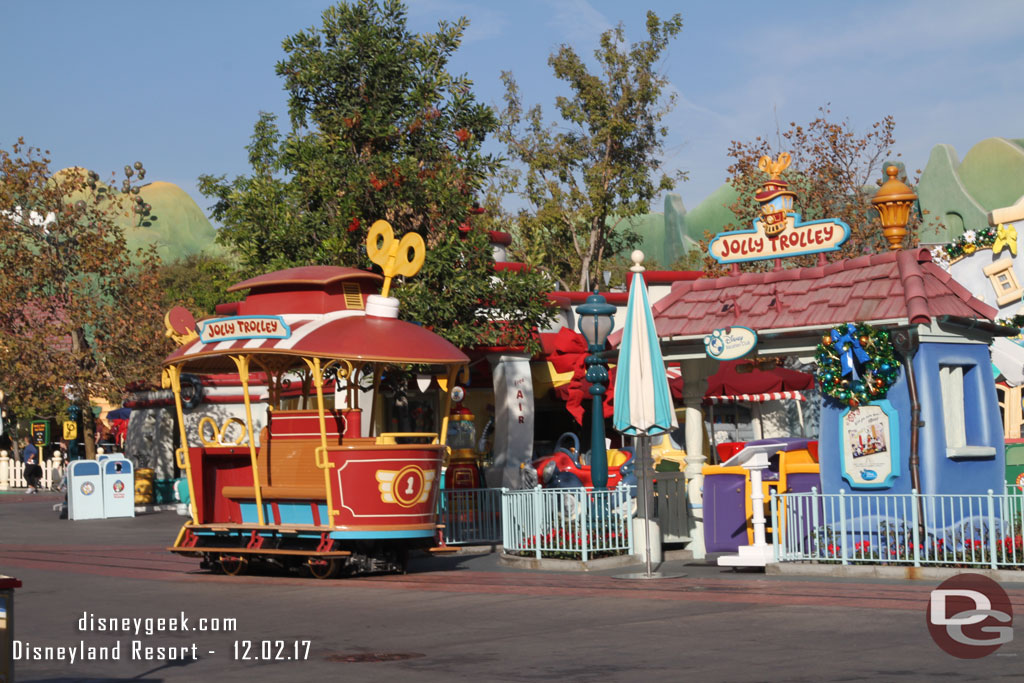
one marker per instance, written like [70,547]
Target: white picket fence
[12,473]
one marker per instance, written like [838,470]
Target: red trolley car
[320,486]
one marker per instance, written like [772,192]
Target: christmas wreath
[856,363]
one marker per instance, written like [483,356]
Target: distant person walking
[33,470]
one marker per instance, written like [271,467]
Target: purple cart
[725,494]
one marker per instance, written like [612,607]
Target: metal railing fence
[470,516]
[978,530]
[567,523]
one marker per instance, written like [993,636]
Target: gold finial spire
[893,201]
[775,168]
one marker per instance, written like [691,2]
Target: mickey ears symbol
[713,338]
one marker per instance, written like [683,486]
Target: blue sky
[179,84]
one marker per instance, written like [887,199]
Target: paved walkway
[462,617]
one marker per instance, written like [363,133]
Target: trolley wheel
[233,565]
[323,567]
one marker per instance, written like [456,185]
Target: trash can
[118,482]
[145,493]
[85,497]
[7,586]
[163,491]
[181,490]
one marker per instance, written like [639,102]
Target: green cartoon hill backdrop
[176,224]
[956,194]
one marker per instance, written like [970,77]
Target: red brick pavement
[155,563]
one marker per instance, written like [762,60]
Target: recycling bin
[118,488]
[85,495]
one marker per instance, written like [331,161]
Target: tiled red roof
[893,285]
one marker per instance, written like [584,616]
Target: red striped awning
[343,334]
[756,398]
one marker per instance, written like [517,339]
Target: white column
[695,382]
[513,418]
[5,471]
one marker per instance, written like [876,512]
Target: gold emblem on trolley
[180,326]
[406,487]
[395,257]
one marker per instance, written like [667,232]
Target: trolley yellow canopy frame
[275,366]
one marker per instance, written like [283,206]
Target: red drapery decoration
[569,355]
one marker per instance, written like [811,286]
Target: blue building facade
[960,442]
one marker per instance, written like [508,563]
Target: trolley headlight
[549,471]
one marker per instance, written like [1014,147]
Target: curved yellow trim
[219,432]
[173,374]
[242,363]
[256,353]
[322,461]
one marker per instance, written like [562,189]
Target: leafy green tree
[199,282]
[80,314]
[584,176]
[379,129]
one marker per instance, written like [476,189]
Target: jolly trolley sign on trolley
[778,232]
[322,489]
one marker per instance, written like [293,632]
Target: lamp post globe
[596,319]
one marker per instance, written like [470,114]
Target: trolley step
[260,551]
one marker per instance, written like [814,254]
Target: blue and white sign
[730,343]
[870,445]
[243,327]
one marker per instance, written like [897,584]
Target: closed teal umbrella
[643,402]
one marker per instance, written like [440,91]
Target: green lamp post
[596,319]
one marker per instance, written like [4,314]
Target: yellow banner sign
[794,239]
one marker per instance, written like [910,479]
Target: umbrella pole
[643,448]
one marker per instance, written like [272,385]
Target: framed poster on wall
[869,439]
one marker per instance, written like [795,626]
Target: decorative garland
[1013,321]
[856,363]
[964,245]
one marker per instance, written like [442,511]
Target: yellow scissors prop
[395,257]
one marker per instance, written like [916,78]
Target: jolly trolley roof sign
[778,232]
